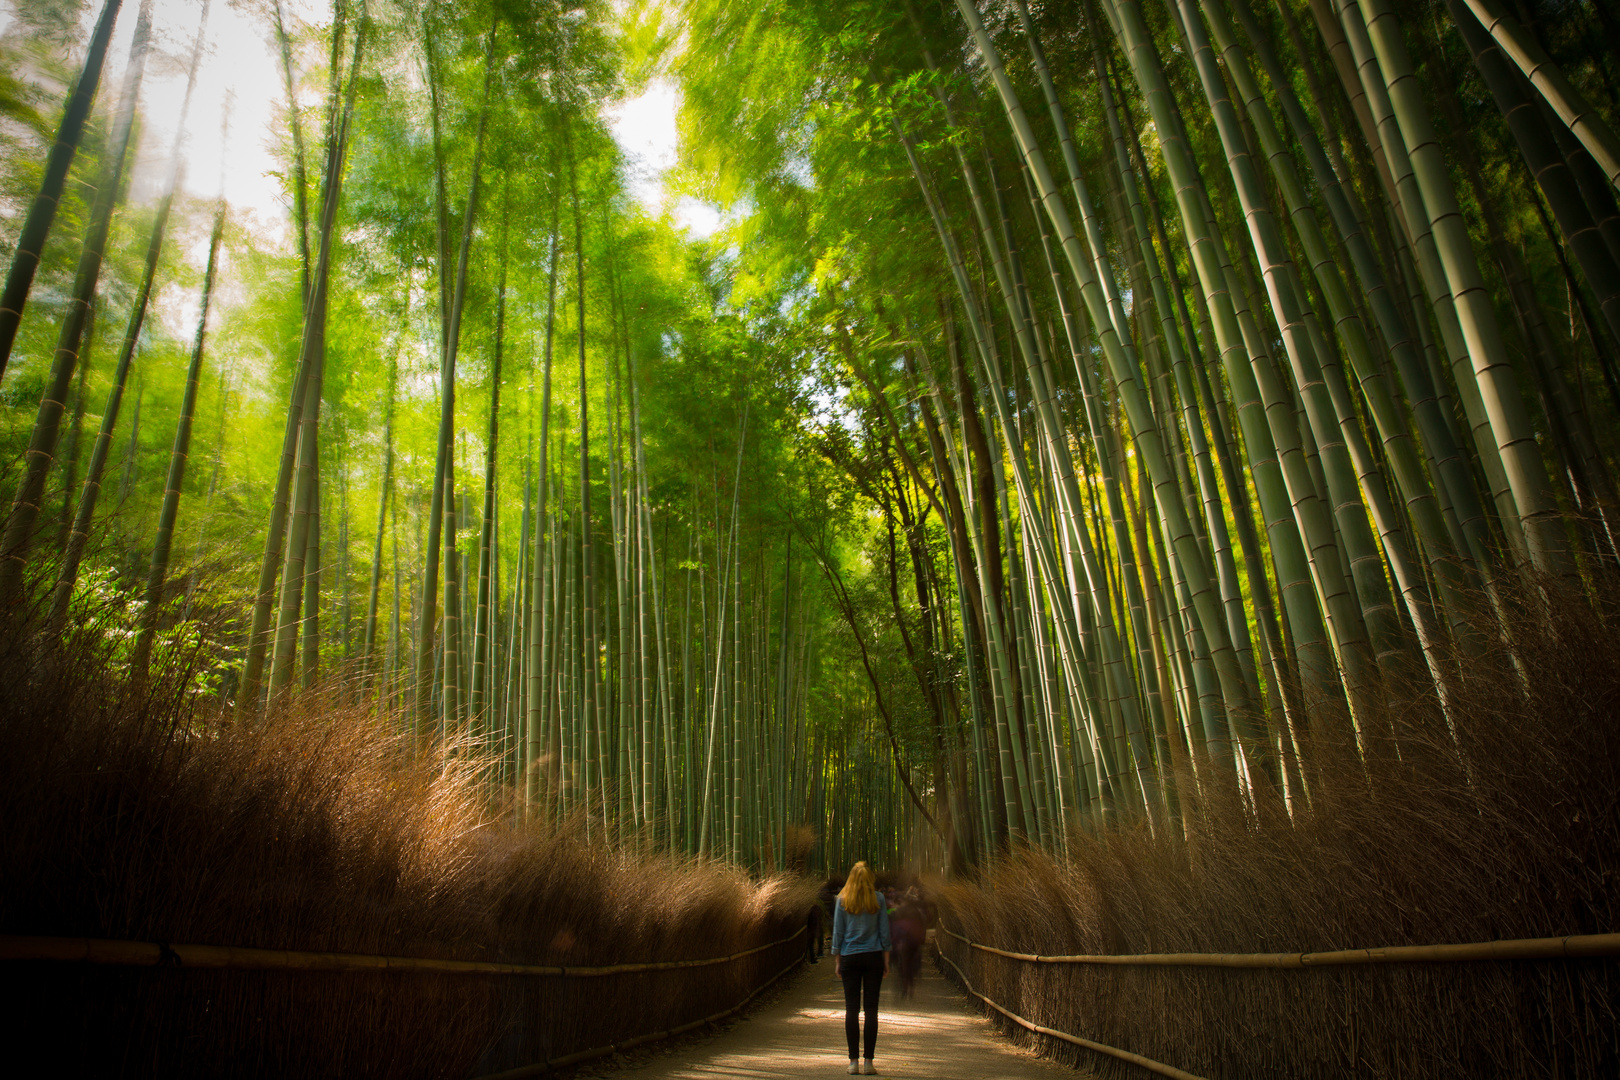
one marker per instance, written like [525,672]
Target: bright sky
[644,127]
[241,66]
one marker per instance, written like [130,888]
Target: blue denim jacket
[860,933]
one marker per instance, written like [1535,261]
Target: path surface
[932,1036]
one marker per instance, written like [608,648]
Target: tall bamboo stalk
[69,133]
[1521,459]
[90,494]
[451,303]
[542,628]
[486,542]
[41,452]
[385,496]
[311,348]
[179,457]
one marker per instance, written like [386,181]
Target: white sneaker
[854,1068]
[869,1069]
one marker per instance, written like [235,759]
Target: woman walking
[860,948]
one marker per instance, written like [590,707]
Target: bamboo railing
[98,951]
[1102,1048]
[575,1058]
[1575,946]
[157,954]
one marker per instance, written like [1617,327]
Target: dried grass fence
[1408,852]
[1579,946]
[632,1030]
[135,814]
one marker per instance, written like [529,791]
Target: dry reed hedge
[1512,831]
[137,813]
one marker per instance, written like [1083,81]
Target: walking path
[932,1036]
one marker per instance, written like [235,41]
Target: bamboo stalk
[311,348]
[179,456]
[482,669]
[1510,426]
[1587,123]
[36,226]
[18,535]
[90,494]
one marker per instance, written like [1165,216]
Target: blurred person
[860,948]
[909,931]
[812,932]
[827,897]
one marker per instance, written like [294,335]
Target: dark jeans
[863,978]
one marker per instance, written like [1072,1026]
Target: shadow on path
[933,1035]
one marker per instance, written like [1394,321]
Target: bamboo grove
[600,600]
[1079,401]
[1233,358]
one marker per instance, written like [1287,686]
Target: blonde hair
[859,895]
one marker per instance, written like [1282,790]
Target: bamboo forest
[508,501]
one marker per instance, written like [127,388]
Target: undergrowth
[1503,824]
[143,813]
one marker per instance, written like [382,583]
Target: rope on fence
[1102,1048]
[156,954]
[1577,946]
[640,1040]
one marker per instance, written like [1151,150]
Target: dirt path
[933,1035]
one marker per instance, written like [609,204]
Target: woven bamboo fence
[1032,989]
[548,1019]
